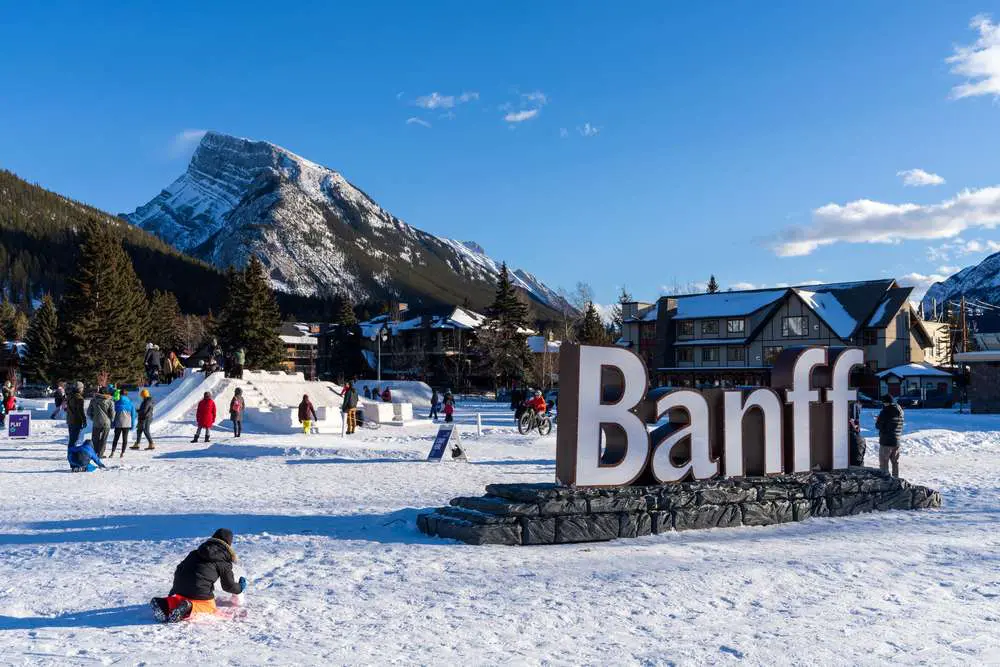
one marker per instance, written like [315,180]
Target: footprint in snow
[732,651]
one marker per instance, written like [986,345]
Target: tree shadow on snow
[397,527]
[111,617]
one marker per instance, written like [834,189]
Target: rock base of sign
[526,514]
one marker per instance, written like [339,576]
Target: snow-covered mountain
[981,281]
[317,233]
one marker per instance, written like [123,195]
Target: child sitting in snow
[193,591]
[82,458]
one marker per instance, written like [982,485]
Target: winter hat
[144,393]
[238,392]
[225,535]
[887,399]
[79,387]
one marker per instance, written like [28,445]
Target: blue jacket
[125,416]
[80,455]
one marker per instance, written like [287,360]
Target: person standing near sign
[449,407]
[890,426]
[101,412]
[76,419]
[350,407]
[434,405]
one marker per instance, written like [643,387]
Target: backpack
[235,405]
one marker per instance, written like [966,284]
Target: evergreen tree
[502,339]
[591,330]
[19,328]
[347,342]
[713,285]
[166,323]
[7,314]
[104,312]
[41,338]
[617,319]
[251,318]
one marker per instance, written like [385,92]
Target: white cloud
[536,98]
[563,133]
[980,62]
[438,101]
[520,116]
[448,115]
[413,120]
[920,283]
[918,178]
[588,130]
[184,142]
[742,286]
[867,221]
[435,101]
[959,247]
[948,270]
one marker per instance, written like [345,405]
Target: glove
[243,584]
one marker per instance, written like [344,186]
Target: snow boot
[180,612]
[150,447]
[160,609]
[135,446]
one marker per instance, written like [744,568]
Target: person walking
[350,407]
[890,426]
[125,419]
[236,408]
[307,414]
[145,420]
[434,405]
[59,397]
[102,413]
[205,416]
[76,418]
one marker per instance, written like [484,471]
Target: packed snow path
[339,574]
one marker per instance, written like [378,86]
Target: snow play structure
[272,400]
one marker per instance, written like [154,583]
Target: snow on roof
[826,305]
[18,346]
[458,318]
[977,356]
[537,344]
[879,313]
[913,370]
[298,340]
[725,304]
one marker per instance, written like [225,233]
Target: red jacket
[206,413]
[537,403]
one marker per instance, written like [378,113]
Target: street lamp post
[381,335]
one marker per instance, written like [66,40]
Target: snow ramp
[180,404]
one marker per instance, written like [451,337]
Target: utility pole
[965,328]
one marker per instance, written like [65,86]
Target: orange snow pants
[197,606]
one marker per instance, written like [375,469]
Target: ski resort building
[301,348]
[732,338]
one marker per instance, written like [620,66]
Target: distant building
[301,347]
[732,338]
[545,359]
[984,379]
[915,379]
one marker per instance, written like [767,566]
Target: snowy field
[339,574]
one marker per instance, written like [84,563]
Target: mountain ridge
[316,232]
[979,281]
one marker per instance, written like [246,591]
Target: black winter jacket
[75,415]
[889,425]
[195,577]
[146,409]
[350,400]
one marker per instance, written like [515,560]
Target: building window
[736,326]
[710,354]
[685,328]
[710,327]
[736,353]
[770,354]
[795,327]
[685,354]
[869,337]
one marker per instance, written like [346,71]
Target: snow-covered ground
[339,574]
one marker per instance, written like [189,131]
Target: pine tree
[713,285]
[502,338]
[7,314]
[41,338]
[617,319]
[166,322]
[104,312]
[251,318]
[347,342]
[591,330]
[19,328]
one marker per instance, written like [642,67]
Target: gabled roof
[841,306]
[454,317]
[914,370]
[888,307]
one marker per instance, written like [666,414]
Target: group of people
[373,394]
[161,368]
[446,405]
[110,410]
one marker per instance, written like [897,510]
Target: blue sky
[640,144]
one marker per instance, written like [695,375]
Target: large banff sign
[798,424]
